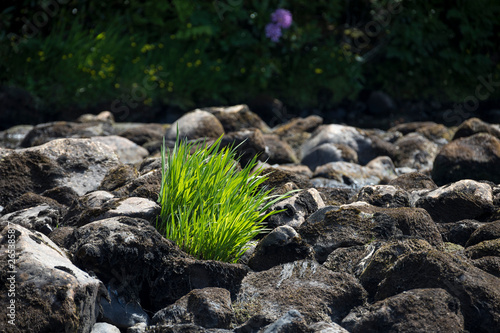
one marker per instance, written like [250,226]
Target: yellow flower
[64,57]
[170,89]
[189,25]
[117,85]
[197,51]
[217,69]
[70,55]
[189,64]
[172,36]
[133,44]
[102,35]
[243,70]
[197,63]
[28,59]
[160,45]
[40,53]
[318,71]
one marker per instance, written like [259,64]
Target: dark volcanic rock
[384,196]
[278,150]
[417,310]
[474,157]
[465,199]
[360,223]
[458,232]
[118,177]
[42,218]
[414,181]
[477,291]
[473,126]
[272,293]
[248,144]
[488,231]
[28,200]
[238,117]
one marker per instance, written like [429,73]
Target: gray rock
[207,307]
[280,246]
[127,151]
[488,231]
[414,181]
[133,207]
[477,291]
[104,328]
[144,133]
[475,125]
[249,143]
[279,151]
[292,321]
[322,154]
[384,196]
[195,125]
[297,208]
[11,138]
[118,177]
[238,117]
[474,157]
[137,328]
[417,310]
[360,223]
[465,199]
[487,248]
[489,264]
[458,232]
[341,134]
[415,151]
[50,292]
[272,293]
[347,174]
[121,312]
[324,327]
[41,218]
[130,256]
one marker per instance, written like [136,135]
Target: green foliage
[215,52]
[209,207]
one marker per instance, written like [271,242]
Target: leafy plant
[210,207]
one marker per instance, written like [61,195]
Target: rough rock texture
[118,177]
[458,232]
[488,231]
[50,294]
[195,125]
[474,157]
[280,246]
[143,134]
[272,293]
[477,291]
[360,223]
[30,199]
[207,307]
[127,151]
[238,117]
[465,199]
[414,181]
[384,196]
[248,144]
[156,272]
[475,125]
[279,151]
[417,310]
[42,218]
[415,151]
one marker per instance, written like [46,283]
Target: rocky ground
[393,231]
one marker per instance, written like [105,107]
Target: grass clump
[209,206]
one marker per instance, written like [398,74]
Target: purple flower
[282,18]
[273,31]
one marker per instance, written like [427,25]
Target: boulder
[47,292]
[360,223]
[207,307]
[487,231]
[42,218]
[248,143]
[272,293]
[196,124]
[279,151]
[384,196]
[474,157]
[487,248]
[104,328]
[417,310]
[11,138]
[118,177]
[238,117]
[144,133]
[130,256]
[280,246]
[326,153]
[473,126]
[464,199]
[414,181]
[127,151]
[415,151]
[458,232]
[477,291]
[30,199]
[341,134]
[488,264]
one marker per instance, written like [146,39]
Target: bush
[209,207]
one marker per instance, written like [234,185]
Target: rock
[384,196]
[130,256]
[104,116]
[41,218]
[323,327]
[410,127]
[464,199]
[486,248]
[280,246]
[277,179]
[104,328]
[340,134]
[64,237]
[382,167]
[146,186]
[50,292]
[477,291]
[297,208]
[488,231]
[323,154]
[347,259]
[347,174]
[195,125]
[44,133]
[489,265]
[298,169]
[292,321]
[132,207]
[473,126]
[308,124]
[122,313]
[127,151]
[138,328]
[11,138]
[414,181]
[118,177]
[475,157]
[336,196]
[436,133]
[207,307]
[360,223]
[248,144]
[88,208]
[379,103]
[22,172]
[415,151]
[149,164]
[144,133]
[238,117]
[279,151]
[28,200]
[63,194]
[274,292]
[458,232]
[417,310]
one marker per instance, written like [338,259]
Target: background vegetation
[129,53]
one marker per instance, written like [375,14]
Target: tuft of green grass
[209,206]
